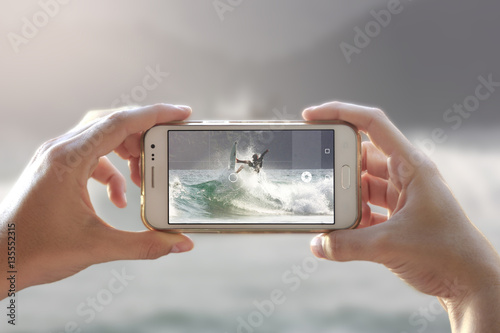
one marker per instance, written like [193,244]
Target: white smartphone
[230,176]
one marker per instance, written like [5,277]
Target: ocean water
[272,196]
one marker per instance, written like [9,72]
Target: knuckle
[335,104]
[429,168]
[52,150]
[152,250]
[162,106]
[57,151]
[111,123]
[118,116]
[379,114]
[334,249]
[338,252]
[424,165]
[44,147]
[376,116]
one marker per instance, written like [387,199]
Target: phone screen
[251,177]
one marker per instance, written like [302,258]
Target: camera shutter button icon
[306,177]
[233,177]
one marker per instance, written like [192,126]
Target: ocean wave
[251,194]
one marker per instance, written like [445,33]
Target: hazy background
[263,60]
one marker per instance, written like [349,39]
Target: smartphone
[230,176]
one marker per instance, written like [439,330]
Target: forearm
[478,312]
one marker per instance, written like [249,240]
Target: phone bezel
[346,137]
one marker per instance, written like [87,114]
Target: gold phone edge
[252,230]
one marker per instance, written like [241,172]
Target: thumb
[128,245]
[346,245]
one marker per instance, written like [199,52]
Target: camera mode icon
[306,177]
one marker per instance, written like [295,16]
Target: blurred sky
[266,59]
[263,60]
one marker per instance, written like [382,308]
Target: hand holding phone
[426,239]
[50,209]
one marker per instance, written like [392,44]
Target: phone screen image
[251,177]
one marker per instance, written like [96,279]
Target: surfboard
[232,158]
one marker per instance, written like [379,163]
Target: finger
[374,190]
[135,170]
[92,116]
[369,218]
[356,244]
[366,213]
[374,161]
[107,174]
[379,192]
[114,244]
[114,129]
[131,147]
[372,121]
[377,218]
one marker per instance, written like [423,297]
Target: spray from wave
[277,192]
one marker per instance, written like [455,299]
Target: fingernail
[183,246]
[310,108]
[317,247]
[184,107]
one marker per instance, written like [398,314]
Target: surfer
[255,163]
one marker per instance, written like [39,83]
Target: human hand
[57,229]
[426,239]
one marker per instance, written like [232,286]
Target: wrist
[476,310]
